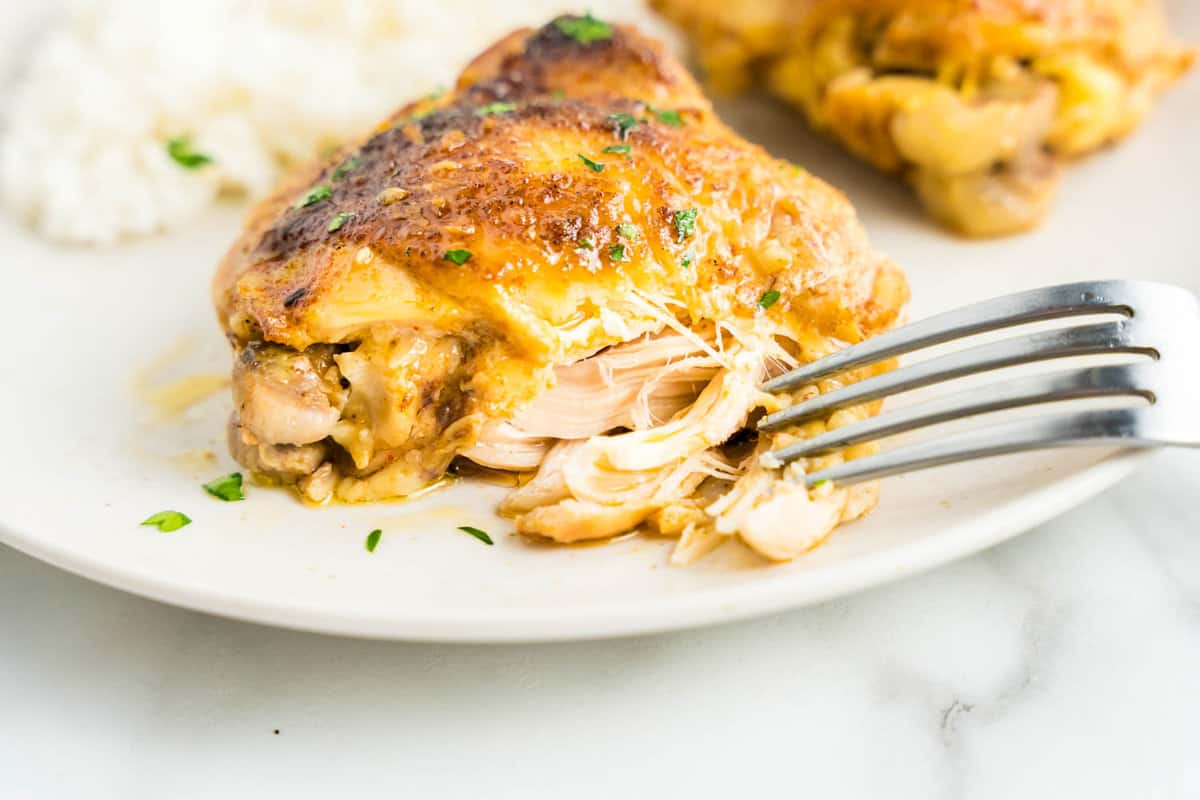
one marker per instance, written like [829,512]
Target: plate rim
[693,610]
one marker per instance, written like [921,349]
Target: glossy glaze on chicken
[566,265]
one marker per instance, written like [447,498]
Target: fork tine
[1091,428]
[1109,337]
[1112,381]
[1072,299]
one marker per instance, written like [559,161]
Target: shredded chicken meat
[671,410]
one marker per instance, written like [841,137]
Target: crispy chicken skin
[975,102]
[431,292]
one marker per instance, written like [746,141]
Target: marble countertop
[1063,664]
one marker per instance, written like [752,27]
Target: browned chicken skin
[571,225]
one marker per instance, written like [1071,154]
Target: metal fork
[1158,320]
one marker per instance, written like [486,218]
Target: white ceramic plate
[86,457]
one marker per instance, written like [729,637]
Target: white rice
[255,85]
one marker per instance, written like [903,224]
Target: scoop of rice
[251,85]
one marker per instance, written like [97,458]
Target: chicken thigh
[976,103]
[565,265]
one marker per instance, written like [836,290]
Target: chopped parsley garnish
[628,230]
[373,540]
[585,29]
[459,257]
[338,221]
[669,117]
[478,534]
[617,253]
[821,482]
[181,152]
[586,244]
[686,261]
[685,223]
[592,165]
[558,95]
[623,149]
[348,166]
[624,122]
[315,195]
[768,299]
[495,108]
[227,488]
[167,521]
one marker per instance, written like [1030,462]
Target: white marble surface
[1063,664]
